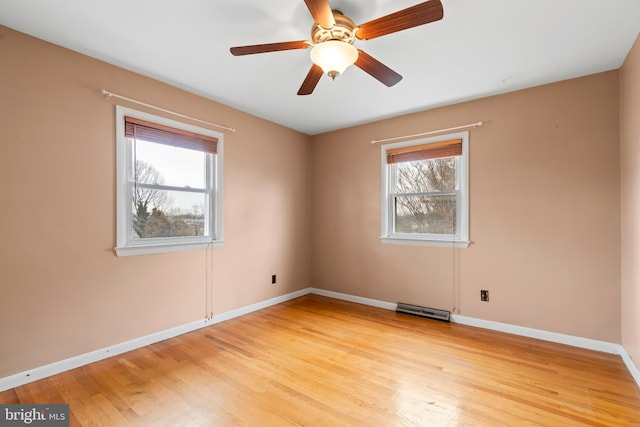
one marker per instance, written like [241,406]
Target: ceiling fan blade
[420,14]
[269,47]
[321,12]
[310,82]
[377,69]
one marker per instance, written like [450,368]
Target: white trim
[166,247]
[41,372]
[571,340]
[460,244]
[461,238]
[259,305]
[97,355]
[628,361]
[352,298]
[125,245]
[603,346]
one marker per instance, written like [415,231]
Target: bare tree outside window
[169,184]
[153,212]
[424,197]
[146,199]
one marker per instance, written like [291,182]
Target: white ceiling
[480,48]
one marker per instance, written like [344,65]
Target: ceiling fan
[333,35]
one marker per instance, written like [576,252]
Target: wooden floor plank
[315,361]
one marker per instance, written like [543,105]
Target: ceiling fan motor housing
[333,36]
[343,30]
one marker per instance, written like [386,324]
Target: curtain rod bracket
[469,126]
[108,95]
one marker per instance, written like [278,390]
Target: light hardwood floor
[315,361]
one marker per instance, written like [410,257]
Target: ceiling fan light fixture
[334,56]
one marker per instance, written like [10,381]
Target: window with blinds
[168,189]
[425,191]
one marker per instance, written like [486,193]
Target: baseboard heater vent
[418,310]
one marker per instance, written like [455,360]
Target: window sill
[165,247]
[426,242]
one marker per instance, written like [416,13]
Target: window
[425,196]
[169,185]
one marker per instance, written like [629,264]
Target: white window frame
[458,240]
[125,244]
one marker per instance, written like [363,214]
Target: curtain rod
[469,126]
[108,95]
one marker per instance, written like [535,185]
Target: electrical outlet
[273,279]
[484,295]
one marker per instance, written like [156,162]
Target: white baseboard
[259,306]
[603,346]
[353,298]
[571,340]
[94,356]
[41,372]
[628,361]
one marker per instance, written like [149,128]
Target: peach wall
[630,195]
[544,212]
[545,228]
[63,290]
